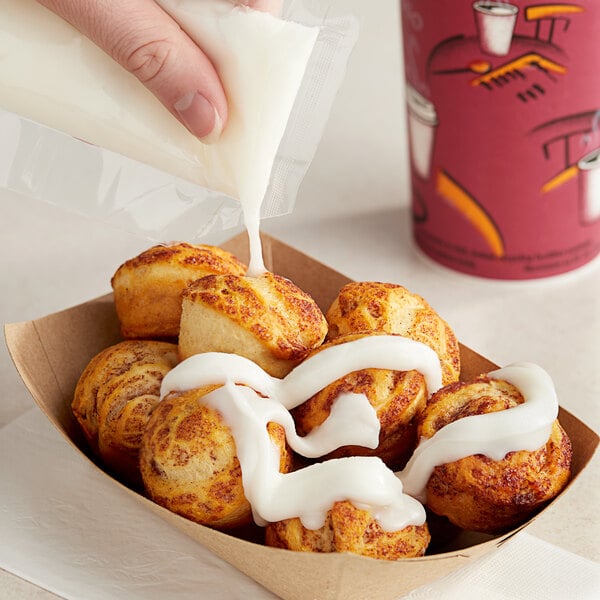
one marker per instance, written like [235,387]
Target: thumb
[271,6]
[146,41]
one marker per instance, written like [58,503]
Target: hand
[146,41]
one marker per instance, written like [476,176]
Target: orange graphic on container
[473,211]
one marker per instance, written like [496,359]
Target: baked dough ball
[481,494]
[391,308]
[189,463]
[397,396]
[267,319]
[147,288]
[349,529]
[114,397]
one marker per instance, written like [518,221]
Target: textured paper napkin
[67,528]
[524,568]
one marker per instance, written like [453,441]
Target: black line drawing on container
[527,54]
[572,143]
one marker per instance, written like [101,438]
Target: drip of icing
[523,427]
[351,420]
[256,265]
[314,373]
[308,493]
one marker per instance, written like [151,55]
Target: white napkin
[65,527]
[525,567]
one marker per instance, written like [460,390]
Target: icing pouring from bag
[261,61]
[52,74]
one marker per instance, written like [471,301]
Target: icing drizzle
[523,427]
[250,398]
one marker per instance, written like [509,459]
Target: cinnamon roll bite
[477,492]
[349,529]
[266,319]
[398,397]
[390,308]
[189,464]
[148,288]
[115,396]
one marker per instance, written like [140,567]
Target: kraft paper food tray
[51,352]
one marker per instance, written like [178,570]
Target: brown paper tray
[51,352]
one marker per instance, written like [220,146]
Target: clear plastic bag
[139,169]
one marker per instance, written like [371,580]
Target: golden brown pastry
[476,492]
[189,464]
[115,395]
[391,308]
[267,319]
[147,288]
[397,396]
[349,529]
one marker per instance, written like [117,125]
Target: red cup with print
[503,107]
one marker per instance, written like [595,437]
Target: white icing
[214,368]
[351,420]
[314,373]
[250,398]
[260,398]
[310,492]
[523,427]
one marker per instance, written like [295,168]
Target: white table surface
[352,214]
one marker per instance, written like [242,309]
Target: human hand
[146,41]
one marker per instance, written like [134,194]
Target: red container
[503,104]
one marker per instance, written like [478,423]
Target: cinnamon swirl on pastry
[397,396]
[114,397]
[267,319]
[189,463]
[349,529]
[477,492]
[391,308]
[148,288]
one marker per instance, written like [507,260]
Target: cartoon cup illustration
[422,123]
[589,186]
[495,25]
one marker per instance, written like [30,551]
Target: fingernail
[199,116]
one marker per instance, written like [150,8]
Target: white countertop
[352,213]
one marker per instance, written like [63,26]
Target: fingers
[270,6]
[150,44]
